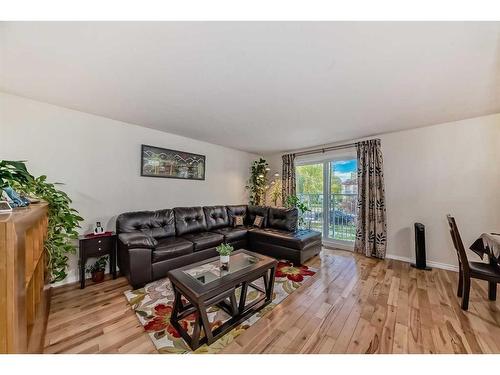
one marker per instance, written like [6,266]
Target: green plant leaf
[63,220]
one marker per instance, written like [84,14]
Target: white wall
[431,171]
[98,160]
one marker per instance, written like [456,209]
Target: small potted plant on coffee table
[97,269]
[224,251]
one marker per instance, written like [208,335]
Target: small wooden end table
[97,246]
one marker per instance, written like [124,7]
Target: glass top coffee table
[205,284]
[211,271]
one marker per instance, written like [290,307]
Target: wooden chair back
[459,245]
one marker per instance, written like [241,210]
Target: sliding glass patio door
[310,181]
[329,188]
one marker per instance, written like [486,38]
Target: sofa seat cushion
[204,240]
[171,247]
[298,240]
[232,234]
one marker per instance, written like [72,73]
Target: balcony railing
[341,214]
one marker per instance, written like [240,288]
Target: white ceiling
[261,87]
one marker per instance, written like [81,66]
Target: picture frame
[168,163]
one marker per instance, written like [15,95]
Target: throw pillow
[259,220]
[238,221]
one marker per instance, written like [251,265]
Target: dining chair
[468,270]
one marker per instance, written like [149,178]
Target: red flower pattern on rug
[161,320]
[293,273]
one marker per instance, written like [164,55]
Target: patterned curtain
[288,177]
[371,226]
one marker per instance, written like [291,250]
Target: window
[309,179]
[344,191]
[329,188]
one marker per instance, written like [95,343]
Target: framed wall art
[162,162]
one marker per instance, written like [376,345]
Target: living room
[186,187]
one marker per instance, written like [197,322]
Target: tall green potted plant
[257,182]
[63,220]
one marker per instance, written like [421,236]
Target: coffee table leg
[243,297]
[234,305]
[195,337]
[202,310]
[270,284]
[192,340]
[177,303]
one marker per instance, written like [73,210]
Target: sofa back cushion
[189,220]
[257,211]
[236,210]
[158,224]
[283,218]
[216,217]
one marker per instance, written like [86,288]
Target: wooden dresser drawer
[98,246]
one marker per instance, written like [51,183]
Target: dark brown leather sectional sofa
[150,243]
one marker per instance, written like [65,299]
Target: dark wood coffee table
[204,284]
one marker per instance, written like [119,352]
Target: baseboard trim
[74,277]
[430,263]
[336,245]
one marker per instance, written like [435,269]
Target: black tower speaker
[420,261]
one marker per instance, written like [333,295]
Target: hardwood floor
[353,305]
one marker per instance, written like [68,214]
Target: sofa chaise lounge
[151,243]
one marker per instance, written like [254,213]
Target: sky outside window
[344,169]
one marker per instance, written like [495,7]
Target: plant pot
[224,262]
[98,277]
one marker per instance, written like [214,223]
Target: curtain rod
[325,149]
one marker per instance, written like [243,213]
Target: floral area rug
[153,306]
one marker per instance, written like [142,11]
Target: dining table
[488,244]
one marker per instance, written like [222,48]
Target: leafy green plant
[63,220]
[294,201]
[258,181]
[224,249]
[99,265]
[13,171]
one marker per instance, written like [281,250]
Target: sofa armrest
[137,240]
[140,271]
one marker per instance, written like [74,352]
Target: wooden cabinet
[24,290]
